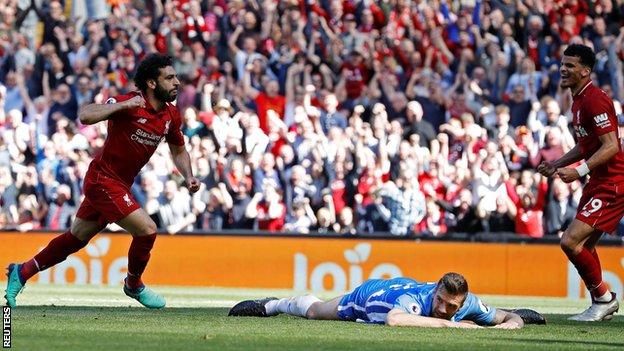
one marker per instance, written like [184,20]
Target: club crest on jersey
[167,126]
[580,131]
[126,198]
[602,120]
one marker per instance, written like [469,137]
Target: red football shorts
[602,206]
[106,200]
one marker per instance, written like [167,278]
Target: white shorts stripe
[351,305]
[380,303]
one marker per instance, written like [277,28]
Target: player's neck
[579,88]
[155,103]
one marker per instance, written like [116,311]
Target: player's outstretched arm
[182,161]
[507,320]
[93,113]
[400,318]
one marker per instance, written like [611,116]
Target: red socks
[56,252]
[587,264]
[138,256]
[66,244]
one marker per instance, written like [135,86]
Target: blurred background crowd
[309,116]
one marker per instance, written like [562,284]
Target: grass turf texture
[88,318]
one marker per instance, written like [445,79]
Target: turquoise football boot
[146,296]
[14,284]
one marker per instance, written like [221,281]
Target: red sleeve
[319,11]
[175,136]
[117,99]
[378,15]
[511,193]
[601,114]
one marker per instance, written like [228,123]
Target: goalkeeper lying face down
[398,302]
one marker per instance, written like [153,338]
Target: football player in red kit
[598,149]
[137,122]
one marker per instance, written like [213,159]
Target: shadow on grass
[214,311]
[563,341]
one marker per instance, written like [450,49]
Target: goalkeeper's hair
[454,284]
[149,68]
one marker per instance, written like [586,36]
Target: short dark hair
[149,68]
[454,284]
[583,52]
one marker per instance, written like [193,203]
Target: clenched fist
[568,175]
[137,101]
[192,184]
[546,169]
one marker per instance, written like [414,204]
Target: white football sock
[294,306]
[604,298]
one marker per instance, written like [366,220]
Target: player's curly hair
[585,54]
[149,68]
[454,284]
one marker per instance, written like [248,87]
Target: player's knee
[313,312]
[83,232]
[569,245]
[83,235]
[147,229]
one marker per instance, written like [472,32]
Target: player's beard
[164,95]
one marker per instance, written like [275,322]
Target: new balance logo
[142,120]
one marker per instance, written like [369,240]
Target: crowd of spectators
[419,117]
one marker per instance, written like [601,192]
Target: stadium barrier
[329,265]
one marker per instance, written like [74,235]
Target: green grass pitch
[89,318]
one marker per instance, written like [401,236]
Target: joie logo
[6,327]
[354,275]
[91,272]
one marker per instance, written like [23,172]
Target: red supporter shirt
[265,103]
[339,194]
[431,186]
[356,78]
[365,185]
[530,222]
[271,225]
[593,115]
[133,136]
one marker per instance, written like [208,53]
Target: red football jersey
[133,136]
[593,115]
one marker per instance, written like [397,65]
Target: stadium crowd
[406,117]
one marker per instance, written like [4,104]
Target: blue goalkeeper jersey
[371,302]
